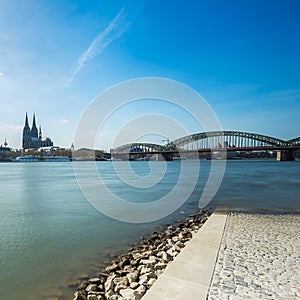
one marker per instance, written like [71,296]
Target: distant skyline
[241,56]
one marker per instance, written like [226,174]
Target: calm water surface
[49,233]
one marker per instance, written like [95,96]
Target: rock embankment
[132,274]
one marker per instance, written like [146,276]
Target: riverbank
[130,275]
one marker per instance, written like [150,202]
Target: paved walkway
[191,271]
[259,258]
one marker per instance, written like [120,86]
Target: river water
[50,233]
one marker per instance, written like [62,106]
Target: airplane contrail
[113,31]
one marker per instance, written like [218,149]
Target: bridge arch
[226,139]
[137,147]
[295,141]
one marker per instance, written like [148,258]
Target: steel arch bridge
[212,140]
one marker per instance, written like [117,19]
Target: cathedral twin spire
[34,130]
[26,122]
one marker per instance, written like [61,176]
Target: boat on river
[39,158]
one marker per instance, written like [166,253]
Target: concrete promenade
[189,275]
[236,256]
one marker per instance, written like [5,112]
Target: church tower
[34,130]
[26,134]
[40,132]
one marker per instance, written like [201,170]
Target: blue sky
[241,56]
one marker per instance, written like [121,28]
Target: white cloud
[1,74]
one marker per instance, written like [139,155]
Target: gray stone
[112,268]
[83,285]
[139,268]
[146,253]
[109,284]
[123,280]
[109,294]
[80,295]
[170,242]
[151,261]
[159,272]
[143,279]
[175,239]
[171,253]
[160,246]
[91,287]
[95,280]
[136,255]
[132,276]
[134,285]
[120,286]
[177,248]
[151,275]
[124,262]
[160,266]
[129,294]
[160,254]
[141,289]
[166,257]
[151,282]
[129,269]
[145,270]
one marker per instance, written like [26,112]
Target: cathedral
[32,138]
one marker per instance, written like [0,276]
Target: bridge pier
[285,155]
[167,156]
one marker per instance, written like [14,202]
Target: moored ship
[39,158]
